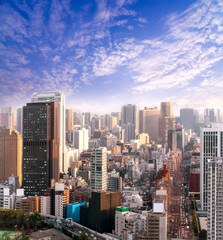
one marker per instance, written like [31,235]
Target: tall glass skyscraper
[55,97]
[40,147]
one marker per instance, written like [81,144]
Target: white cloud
[142,20]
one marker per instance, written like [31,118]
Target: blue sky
[103,54]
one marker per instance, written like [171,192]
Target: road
[178,225]
[75,229]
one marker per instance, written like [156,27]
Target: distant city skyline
[104,54]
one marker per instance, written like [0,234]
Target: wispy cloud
[189,48]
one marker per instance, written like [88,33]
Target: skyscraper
[40,146]
[187,118]
[129,132]
[210,116]
[87,119]
[81,139]
[166,121]
[7,117]
[69,119]
[10,154]
[141,121]
[69,125]
[19,120]
[166,109]
[55,97]
[176,138]
[151,123]
[130,115]
[99,169]
[211,146]
[95,124]
[215,198]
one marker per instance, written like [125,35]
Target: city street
[178,226]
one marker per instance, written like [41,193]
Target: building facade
[60,99]
[211,146]
[40,147]
[99,169]
[215,199]
[130,115]
[7,117]
[10,154]
[151,123]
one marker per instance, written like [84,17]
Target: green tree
[203,234]
[35,219]
[84,236]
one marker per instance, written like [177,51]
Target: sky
[103,54]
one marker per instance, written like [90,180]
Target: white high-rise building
[45,204]
[215,199]
[7,117]
[99,169]
[55,97]
[211,146]
[81,139]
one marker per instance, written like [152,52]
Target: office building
[141,121]
[117,131]
[87,119]
[69,125]
[82,120]
[113,122]
[99,169]
[135,144]
[10,154]
[114,184]
[118,115]
[7,117]
[55,97]
[215,199]
[194,180]
[187,118]
[40,147]
[14,182]
[30,204]
[95,124]
[130,115]
[211,146]
[76,118]
[166,122]
[62,198]
[108,141]
[73,211]
[151,123]
[144,138]
[176,138]
[19,120]
[157,226]
[100,215]
[45,204]
[129,132]
[81,139]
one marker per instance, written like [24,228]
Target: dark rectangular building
[40,147]
[100,215]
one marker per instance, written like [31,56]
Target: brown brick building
[10,154]
[30,204]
